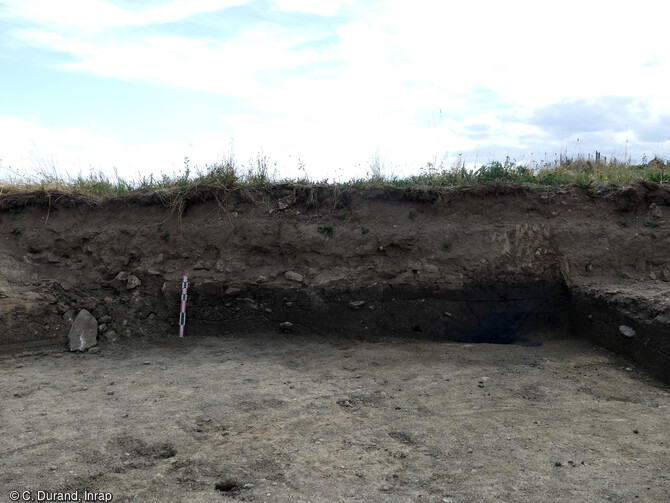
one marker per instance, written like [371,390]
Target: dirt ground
[281,418]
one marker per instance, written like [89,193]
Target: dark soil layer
[482,264]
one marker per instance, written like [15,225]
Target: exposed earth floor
[285,418]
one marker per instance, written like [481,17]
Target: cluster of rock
[83,334]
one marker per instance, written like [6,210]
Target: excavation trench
[330,344]
[486,264]
[489,312]
[495,313]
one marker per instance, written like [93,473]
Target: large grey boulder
[84,332]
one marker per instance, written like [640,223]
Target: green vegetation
[446,246]
[364,230]
[412,214]
[17,231]
[652,224]
[622,223]
[326,229]
[227,173]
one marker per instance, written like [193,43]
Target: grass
[227,173]
[327,230]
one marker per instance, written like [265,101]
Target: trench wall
[481,264]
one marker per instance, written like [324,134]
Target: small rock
[102,328]
[286,326]
[636,431]
[133,282]
[200,265]
[627,331]
[68,317]
[232,291]
[84,332]
[250,302]
[652,275]
[356,304]
[220,265]
[105,319]
[94,350]
[293,276]
[111,336]
[558,463]
[655,211]
[665,275]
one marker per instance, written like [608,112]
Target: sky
[327,88]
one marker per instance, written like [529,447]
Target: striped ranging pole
[182,311]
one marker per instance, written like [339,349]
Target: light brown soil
[283,419]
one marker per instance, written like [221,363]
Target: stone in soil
[293,276]
[84,332]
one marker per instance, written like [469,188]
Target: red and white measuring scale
[182,311]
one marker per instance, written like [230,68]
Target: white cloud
[321,7]
[26,148]
[228,67]
[96,15]
[379,84]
